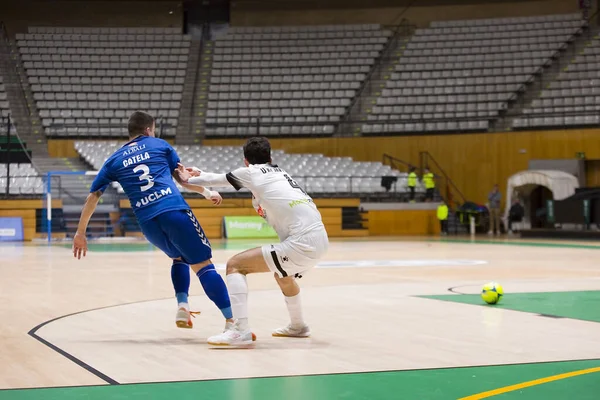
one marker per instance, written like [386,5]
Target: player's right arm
[80,240]
[101,182]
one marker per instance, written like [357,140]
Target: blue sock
[215,289]
[180,275]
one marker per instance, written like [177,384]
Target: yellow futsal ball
[492,292]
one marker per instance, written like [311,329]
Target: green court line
[517,243]
[436,384]
[577,305]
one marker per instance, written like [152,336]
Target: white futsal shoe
[292,331]
[233,335]
[183,318]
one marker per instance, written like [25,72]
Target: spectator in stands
[412,183]
[494,199]
[515,214]
[442,214]
[429,181]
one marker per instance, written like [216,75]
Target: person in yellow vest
[429,182]
[442,214]
[412,183]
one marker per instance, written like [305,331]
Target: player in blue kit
[145,167]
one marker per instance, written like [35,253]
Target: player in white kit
[297,221]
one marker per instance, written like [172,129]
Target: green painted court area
[577,305]
[440,384]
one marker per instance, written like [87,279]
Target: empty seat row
[565,101]
[438,108]
[284,87]
[502,22]
[557,121]
[292,71]
[305,94]
[104,58]
[305,28]
[271,130]
[405,79]
[457,57]
[79,115]
[109,45]
[423,127]
[103,30]
[97,80]
[504,73]
[103,65]
[248,104]
[276,37]
[358,52]
[569,107]
[103,50]
[274,112]
[362,63]
[317,47]
[100,37]
[107,72]
[117,123]
[108,105]
[493,45]
[514,64]
[433,35]
[574,92]
[420,117]
[478,98]
[395,90]
[83,96]
[107,88]
[286,79]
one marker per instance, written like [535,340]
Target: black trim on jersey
[276,261]
[235,182]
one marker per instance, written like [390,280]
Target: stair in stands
[542,81]
[201,93]
[186,132]
[18,100]
[375,81]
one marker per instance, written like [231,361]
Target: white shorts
[296,254]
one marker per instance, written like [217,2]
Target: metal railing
[447,189]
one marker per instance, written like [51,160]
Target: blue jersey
[143,167]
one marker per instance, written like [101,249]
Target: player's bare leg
[240,265]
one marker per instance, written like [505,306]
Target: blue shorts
[179,235]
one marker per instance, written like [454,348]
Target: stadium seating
[460,75]
[316,173]
[4,106]
[87,81]
[296,80]
[24,180]
[573,99]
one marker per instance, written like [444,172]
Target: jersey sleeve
[172,158]
[239,178]
[102,180]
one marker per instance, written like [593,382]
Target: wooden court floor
[394,318]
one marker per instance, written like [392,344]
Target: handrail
[426,157]
[392,160]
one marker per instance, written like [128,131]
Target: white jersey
[278,198]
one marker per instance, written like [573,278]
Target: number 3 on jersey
[145,176]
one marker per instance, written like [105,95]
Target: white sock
[294,306]
[238,293]
[185,306]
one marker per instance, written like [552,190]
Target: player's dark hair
[257,150]
[138,122]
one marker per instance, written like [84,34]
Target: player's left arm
[80,240]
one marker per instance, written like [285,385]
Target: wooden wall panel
[248,15]
[473,161]
[403,222]
[19,15]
